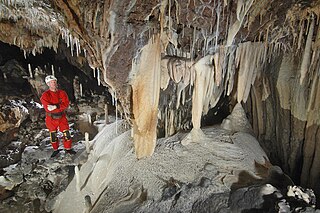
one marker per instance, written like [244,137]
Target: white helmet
[50,78]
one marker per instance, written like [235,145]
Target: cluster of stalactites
[298,82]
[38,18]
[214,75]
[16,2]
[71,41]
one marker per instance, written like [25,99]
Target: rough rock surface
[37,178]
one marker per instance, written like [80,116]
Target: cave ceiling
[111,33]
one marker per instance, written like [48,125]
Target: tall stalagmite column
[145,97]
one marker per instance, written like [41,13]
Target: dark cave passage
[17,73]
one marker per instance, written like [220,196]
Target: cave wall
[286,122]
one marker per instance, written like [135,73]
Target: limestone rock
[11,154]
[12,114]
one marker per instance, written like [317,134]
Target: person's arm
[64,104]
[45,101]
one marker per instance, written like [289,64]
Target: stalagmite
[307,53]
[106,115]
[88,203]
[30,71]
[204,92]
[86,136]
[203,68]
[89,119]
[145,97]
[77,174]
[77,88]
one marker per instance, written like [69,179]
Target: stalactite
[218,10]
[204,73]
[230,71]
[242,9]
[181,87]
[169,14]
[301,28]
[178,11]
[145,98]
[218,60]
[165,77]
[307,53]
[71,44]
[240,6]
[241,76]
[115,98]
[249,59]
[98,76]
[52,70]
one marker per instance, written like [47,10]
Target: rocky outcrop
[37,179]
[12,115]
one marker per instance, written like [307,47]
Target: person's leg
[54,140]
[67,142]
[64,128]
[52,126]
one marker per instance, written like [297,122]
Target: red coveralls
[60,99]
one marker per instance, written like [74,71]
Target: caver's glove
[52,107]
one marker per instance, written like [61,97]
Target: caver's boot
[54,143]
[67,147]
[70,151]
[55,153]
[55,146]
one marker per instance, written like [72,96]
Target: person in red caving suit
[55,102]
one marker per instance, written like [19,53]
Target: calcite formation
[169,62]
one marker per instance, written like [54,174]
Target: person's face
[53,85]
